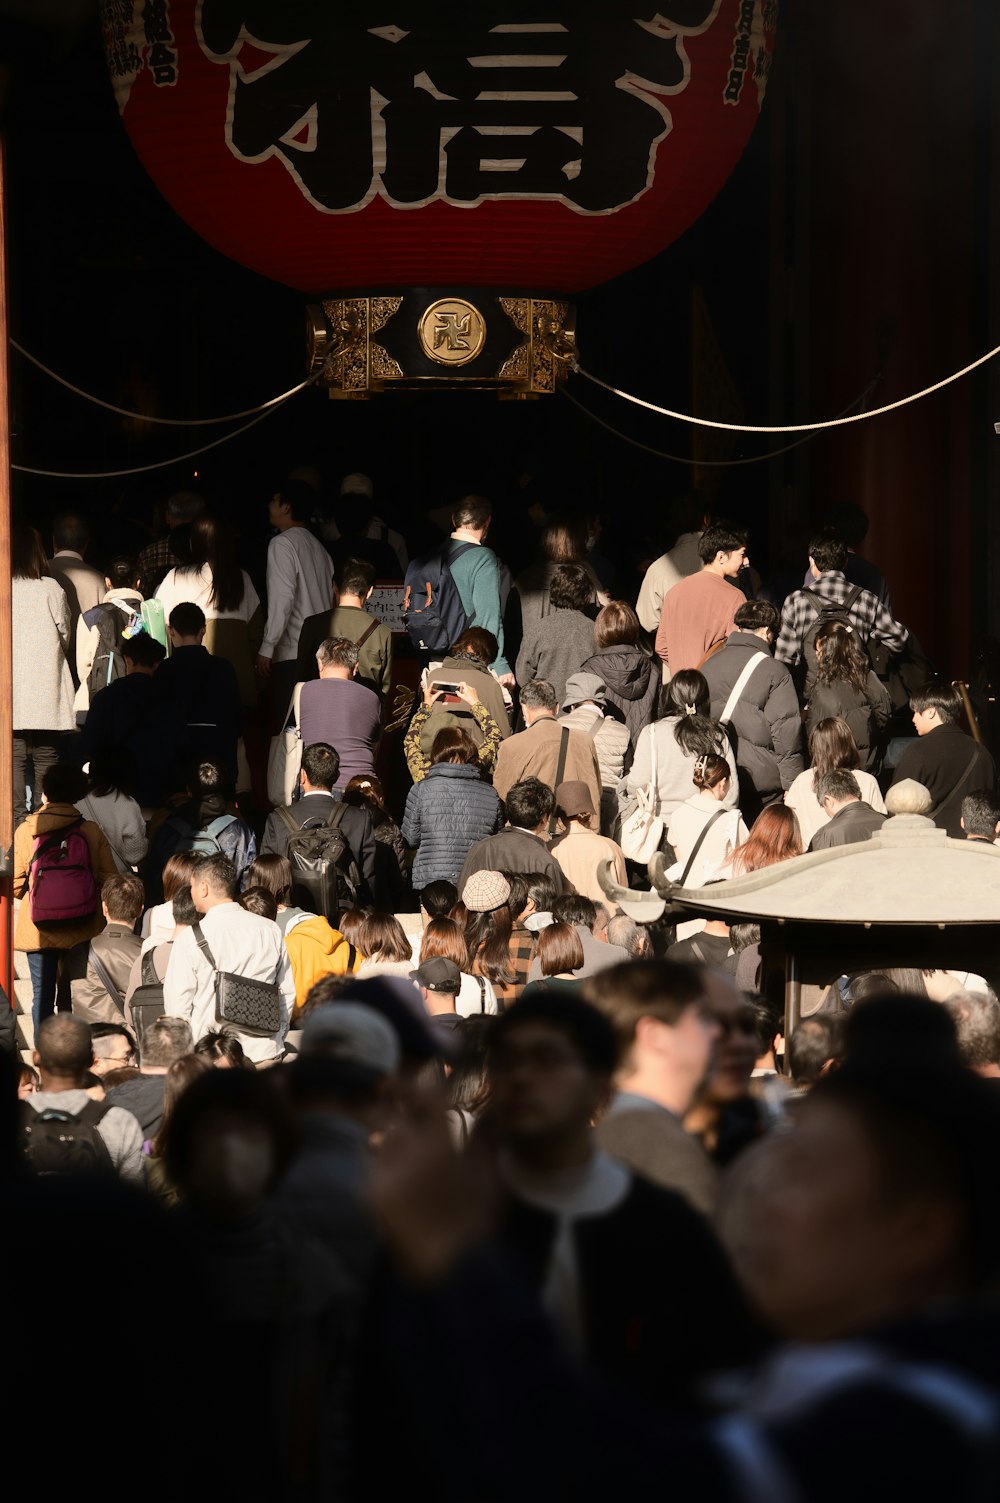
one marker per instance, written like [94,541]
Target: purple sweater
[345,715]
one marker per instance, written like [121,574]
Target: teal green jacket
[477,578]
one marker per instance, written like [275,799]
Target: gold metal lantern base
[433,339]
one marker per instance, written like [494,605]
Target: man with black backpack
[832,597]
[62,1131]
[330,844]
[456,587]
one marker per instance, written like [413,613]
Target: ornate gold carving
[451,331]
[515,367]
[381,309]
[518,310]
[384,366]
[542,361]
[354,362]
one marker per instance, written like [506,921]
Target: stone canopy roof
[910,872]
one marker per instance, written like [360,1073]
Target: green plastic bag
[154,621]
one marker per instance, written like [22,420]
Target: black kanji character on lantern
[418,100]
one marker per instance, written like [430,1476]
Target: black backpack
[57,1142]
[432,607]
[325,876]
[109,660]
[146,1002]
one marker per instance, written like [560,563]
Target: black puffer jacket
[632,679]
[766,728]
[446,814]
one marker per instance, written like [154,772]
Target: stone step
[25,1030]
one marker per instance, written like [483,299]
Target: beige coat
[580,852]
[534,753]
[49,818]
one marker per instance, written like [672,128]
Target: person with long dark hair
[846,688]
[685,733]
[501,948]
[213,580]
[43,682]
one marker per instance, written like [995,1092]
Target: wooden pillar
[6,664]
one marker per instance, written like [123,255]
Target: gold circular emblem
[452,331]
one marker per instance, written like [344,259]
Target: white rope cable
[715,464]
[231,417]
[837,422]
[162,464]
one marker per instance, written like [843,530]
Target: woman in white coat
[704,817]
[671,746]
[42,680]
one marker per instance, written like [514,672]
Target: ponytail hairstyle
[839,656]
[687,702]
[710,771]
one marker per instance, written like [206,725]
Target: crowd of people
[375,1074]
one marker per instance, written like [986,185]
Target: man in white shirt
[240,943]
[674,565]
[299,584]
[84,586]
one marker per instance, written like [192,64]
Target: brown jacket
[534,753]
[49,818]
[117,949]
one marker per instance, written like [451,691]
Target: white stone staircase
[22,1006]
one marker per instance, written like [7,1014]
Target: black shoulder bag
[242,1005]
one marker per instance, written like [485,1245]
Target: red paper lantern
[540,146]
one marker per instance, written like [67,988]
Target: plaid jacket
[521,946]
[867,615]
[155,562]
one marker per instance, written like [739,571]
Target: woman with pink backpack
[61,862]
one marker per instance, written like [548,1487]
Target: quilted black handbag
[242,1005]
